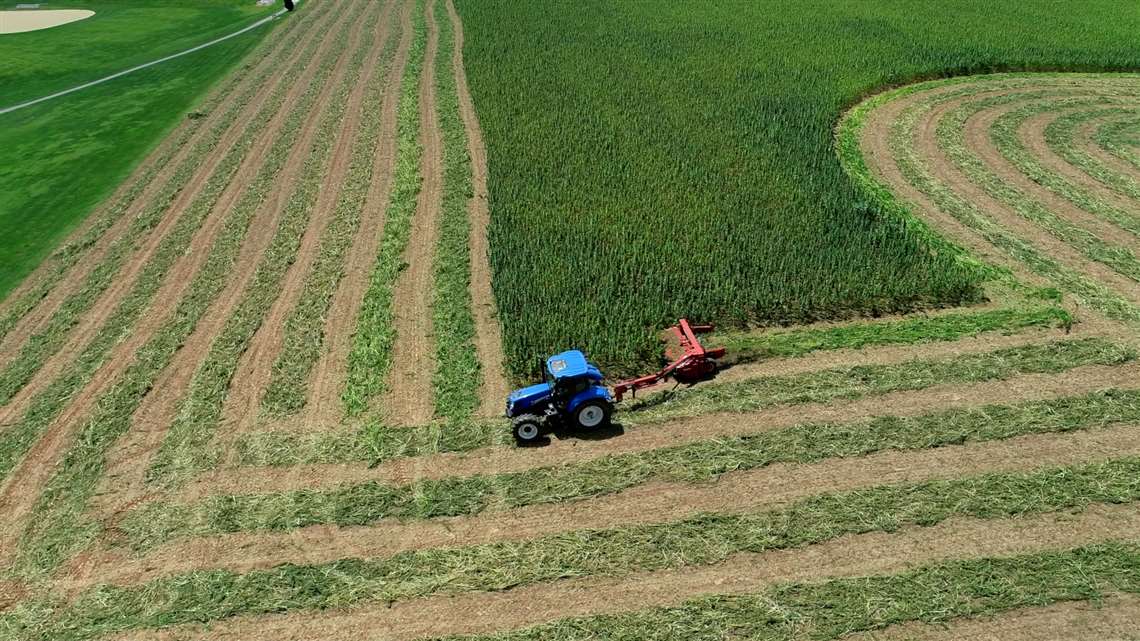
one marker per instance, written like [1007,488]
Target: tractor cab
[572,395]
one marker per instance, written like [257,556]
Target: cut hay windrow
[372,501]
[47,405]
[1060,135]
[939,593]
[951,135]
[458,374]
[184,449]
[304,329]
[371,354]
[1004,134]
[899,134]
[159,165]
[60,526]
[1121,140]
[205,596]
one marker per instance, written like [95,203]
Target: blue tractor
[571,395]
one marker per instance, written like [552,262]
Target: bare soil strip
[94,254]
[128,460]
[940,165]
[133,266]
[494,460]
[22,488]
[1032,135]
[850,556]
[660,502]
[255,367]
[1117,619]
[408,400]
[488,335]
[323,406]
[978,140]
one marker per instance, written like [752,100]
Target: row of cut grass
[457,376]
[940,592]
[67,256]
[1121,139]
[304,329]
[47,404]
[375,334]
[911,330]
[185,450]
[211,595]
[1005,136]
[1061,133]
[913,169]
[60,526]
[951,138]
[42,345]
[378,443]
[368,502]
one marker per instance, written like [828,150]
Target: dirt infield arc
[318,175]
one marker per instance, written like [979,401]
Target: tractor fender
[591,393]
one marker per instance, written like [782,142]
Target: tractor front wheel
[593,414]
[527,428]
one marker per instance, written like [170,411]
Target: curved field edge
[848,135]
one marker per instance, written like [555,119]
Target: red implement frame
[691,363]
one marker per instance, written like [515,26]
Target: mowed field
[271,411]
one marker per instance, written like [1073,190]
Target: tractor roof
[569,364]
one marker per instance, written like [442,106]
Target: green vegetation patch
[210,595]
[368,502]
[62,157]
[653,161]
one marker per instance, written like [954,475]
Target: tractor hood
[523,399]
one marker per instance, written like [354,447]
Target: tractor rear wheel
[527,428]
[593,414]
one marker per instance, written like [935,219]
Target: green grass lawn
[656,159]
[62,157]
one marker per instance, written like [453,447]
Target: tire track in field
[1116,619]
[488,334]
[951,176]
[256,365]
[124,480]
[499,460]
[759,489]
[1032,135]
[134,264]
[876,553]
[75,276]
[324,407]
[408,400]
[21,489]
[978,140]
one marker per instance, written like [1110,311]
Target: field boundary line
[875,553]
[145,65]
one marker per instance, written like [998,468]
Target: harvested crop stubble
[703,541]
[1085,151]
[61,526]
[184,449]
